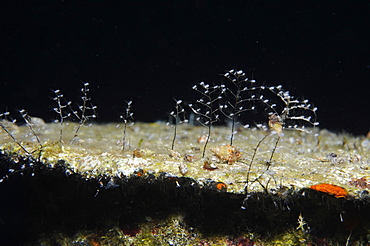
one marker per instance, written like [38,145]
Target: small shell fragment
[174,154]
[183,168]
[143,153]
[227,153]
[189,158]
[202,139]
[209,166]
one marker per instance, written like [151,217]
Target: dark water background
[152,51]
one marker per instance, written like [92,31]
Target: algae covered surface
[299,159]
[106,188]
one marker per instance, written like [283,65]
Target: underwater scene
[176,123]
[187,181]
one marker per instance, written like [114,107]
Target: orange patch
[139,173]
[94,243]
[221,186]
[335,190]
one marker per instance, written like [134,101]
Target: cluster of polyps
[289,112]
[238,95]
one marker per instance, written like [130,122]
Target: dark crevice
[37,199]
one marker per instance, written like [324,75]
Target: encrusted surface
[89,191]
[300,159]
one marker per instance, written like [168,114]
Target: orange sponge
[335,190]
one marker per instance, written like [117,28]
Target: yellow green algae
[171,231]
[300,160]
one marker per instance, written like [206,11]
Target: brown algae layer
[300,159]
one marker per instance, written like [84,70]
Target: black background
[152,51]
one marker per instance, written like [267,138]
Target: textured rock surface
[91,192]
[300,159]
